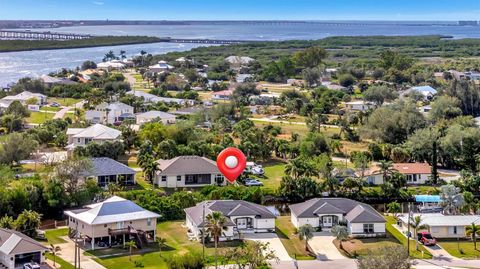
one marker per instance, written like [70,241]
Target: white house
[358,106]
[427,91]
[164,117]
[160,67]
[97,133]
[222,95]
[112,65]
[443,226]
[151,98]
[188,171]
[416,173]
[113,222]
[109,113]
[24,96]
[361,219]
[242,217]
[17,249]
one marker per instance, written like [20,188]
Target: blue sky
[242,9]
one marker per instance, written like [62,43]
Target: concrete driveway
[322,245]
[275,244]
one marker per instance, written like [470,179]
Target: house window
[219,178]
[198,179]
[88,140]
[105,225]
[164,178]
[149,222]
[179,178]
[368,228]
[454,229]
[78,140]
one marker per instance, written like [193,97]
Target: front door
[241,223]
[327,221]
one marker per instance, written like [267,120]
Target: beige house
[188,172]
[443,226]
[97,133]
[358,106]
[17,249]
[113,222]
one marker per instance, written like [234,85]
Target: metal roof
[438,219]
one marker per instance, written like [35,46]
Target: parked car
[426,239]
[55,104]
[253,182]
[258,170]
[31,265]
[253,168]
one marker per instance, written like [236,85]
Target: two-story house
[109,113]
[242,217]
[97,133]
[188,171]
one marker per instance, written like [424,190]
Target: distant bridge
[29,35]
[204,41]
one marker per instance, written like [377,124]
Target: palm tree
[161,243]
[112,188]
[386,167]
[416,224]
[341,233]
[55,251]
[130,245]
[305,232]
[473,231]
[123,54]
[451,198]
[215,226]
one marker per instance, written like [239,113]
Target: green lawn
[361,246]
[64,101]
[39,117]
[53,236]
[463,249]
[61,264]
[293,245]
[50,108]
[403,239]
[274,171]
[177,244]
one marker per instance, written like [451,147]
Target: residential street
[61,113]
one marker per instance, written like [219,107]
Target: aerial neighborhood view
[239,134]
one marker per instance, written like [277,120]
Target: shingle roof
[114,209]
[105,166]
[97,131]
[187,164]
[153,114]
[355,211]
[13,242]
[228,208]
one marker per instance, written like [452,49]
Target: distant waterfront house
[362,220]
[109,113]
[222,95]
[239,61]
[97,133]
[161,66]
[106,170]
[359,106]
[17,249]
[427,91]
[24,96]
[443,226]
[242,217]
[113,222]
[188,171]
[151,98]
[112,65]
[51,81]
[164,117]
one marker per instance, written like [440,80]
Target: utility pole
[203,230]
[408,230]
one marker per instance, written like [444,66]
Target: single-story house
[188,110]
[164,117]
[442,226]
[188,171]
[416,173]
[24,96]
[242,217]
[113,222]
[17,249]
[161,66]
[239,61]
[108,113]
[362,220]
[50,81]
[106,170]
[151,98]
[112,65]
[427,91]
[241,78]
[222,95]
[359,105]
[96,133]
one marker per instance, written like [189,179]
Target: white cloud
[98,3]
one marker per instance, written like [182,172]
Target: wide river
[15,65]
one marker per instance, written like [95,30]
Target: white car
[31,265]
[258,170]
[253,182]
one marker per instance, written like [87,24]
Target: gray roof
[13,242]
[114,209]
[105,166]
[228,208]
[354,212]
[188,165]
[153,114]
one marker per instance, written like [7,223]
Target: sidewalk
[68,253]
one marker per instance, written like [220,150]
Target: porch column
[93,243]
[110,240]
[124,240]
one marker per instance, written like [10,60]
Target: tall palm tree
[416,224]
[150,167]
[130,245]
[215,226]
[386,167]
[341,233]
[305,232]
[473,231]
[55,251]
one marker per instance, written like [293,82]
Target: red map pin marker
[231,162]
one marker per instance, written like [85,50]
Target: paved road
[61,113]
[274,242]
[131,80]
[68,254]
[439,253]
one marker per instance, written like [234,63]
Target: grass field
[361,247]
[177,244]
[462,249]
[60,263]
[53,236]
[403,240]
[39,117]
[50,108]
[294,246]
[273,175]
